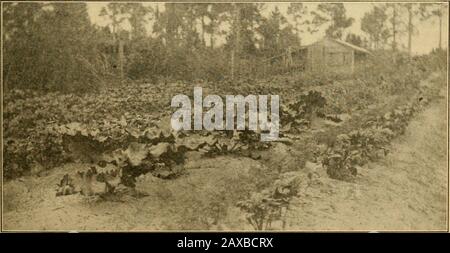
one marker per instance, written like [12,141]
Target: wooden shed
[331,55]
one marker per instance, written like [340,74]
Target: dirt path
[405,191]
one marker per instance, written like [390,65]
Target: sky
[423,41]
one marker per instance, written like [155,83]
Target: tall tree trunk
[440,30]
[170,37]
[211,38]
[235,50]
[410,30]
[203,31]
[394,29]
[232,63]
[238,39]
[121,60]
[114,29]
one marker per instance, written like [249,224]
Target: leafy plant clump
[271,204]
[297,116]
[367,144]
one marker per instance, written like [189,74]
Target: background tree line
[54,46]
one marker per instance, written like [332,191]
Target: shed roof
[346,44]
[356,48]
[343,43]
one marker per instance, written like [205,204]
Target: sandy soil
[405,191]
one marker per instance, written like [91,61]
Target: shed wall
[327,55]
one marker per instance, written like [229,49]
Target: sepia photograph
[224,116]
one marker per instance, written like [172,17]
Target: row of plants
[160,153]
[46,128]
[365,142]
[38,127]
[370,141]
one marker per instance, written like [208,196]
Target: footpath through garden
[405,191]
